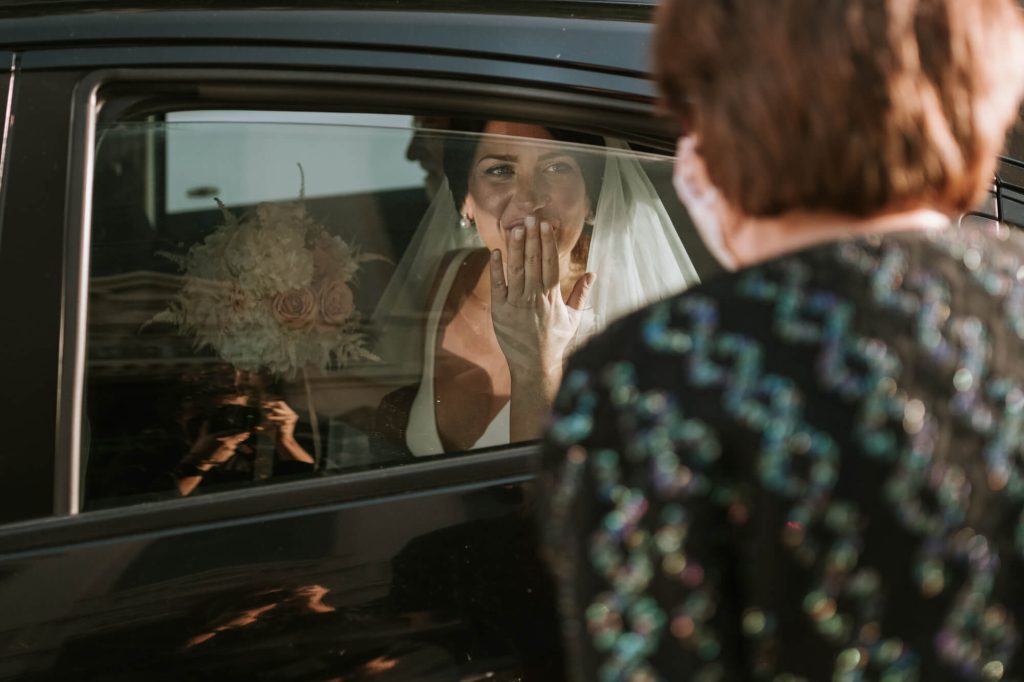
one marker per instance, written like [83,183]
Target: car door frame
[550,92]
[51,264]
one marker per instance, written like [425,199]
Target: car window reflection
[325,305]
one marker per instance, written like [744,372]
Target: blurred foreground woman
[812,467]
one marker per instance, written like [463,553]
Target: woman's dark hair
[458,158]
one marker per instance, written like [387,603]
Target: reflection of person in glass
[426,147]
[219,450]
[544,255]
[219,420]
[218,426]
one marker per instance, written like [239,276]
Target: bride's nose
[530,196]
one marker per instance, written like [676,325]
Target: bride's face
[511,179]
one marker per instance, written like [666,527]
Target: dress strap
[421,435]
[435,313]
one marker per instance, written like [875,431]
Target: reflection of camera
[234,419]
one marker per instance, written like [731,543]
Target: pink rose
[295,309]
[336,302]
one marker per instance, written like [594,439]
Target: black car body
[427,570]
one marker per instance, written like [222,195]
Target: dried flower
[272,290]
[336,302]
[295,309]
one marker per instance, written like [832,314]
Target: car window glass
[201,166]
[277,296]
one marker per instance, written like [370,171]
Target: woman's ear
[711,216]
[466,220]
[689,174]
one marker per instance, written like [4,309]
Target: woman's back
[811,469]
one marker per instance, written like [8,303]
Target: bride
[550,242]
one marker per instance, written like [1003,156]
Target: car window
[277,295]
[199,167]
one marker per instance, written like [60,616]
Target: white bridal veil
[634,250]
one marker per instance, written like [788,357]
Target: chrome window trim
[506,466]
[75,301]
[8,111]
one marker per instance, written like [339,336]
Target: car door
[367,565]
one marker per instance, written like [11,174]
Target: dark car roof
[621,9]
[599,35]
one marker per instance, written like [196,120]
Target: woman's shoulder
[961,257]
[875,286]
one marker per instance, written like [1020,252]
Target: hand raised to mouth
[533,324]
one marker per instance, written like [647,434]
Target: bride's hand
[534,326]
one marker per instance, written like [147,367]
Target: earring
[465,223]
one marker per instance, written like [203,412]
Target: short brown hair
[854,106]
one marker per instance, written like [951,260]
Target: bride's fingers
[499,292]
[549,257]
[516,270]
[534,283]
[581,291]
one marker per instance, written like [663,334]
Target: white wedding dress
[421,436]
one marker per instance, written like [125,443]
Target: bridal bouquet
[271,290]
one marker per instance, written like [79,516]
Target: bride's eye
[560,168]
[500,170]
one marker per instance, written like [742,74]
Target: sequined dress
[808,470]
